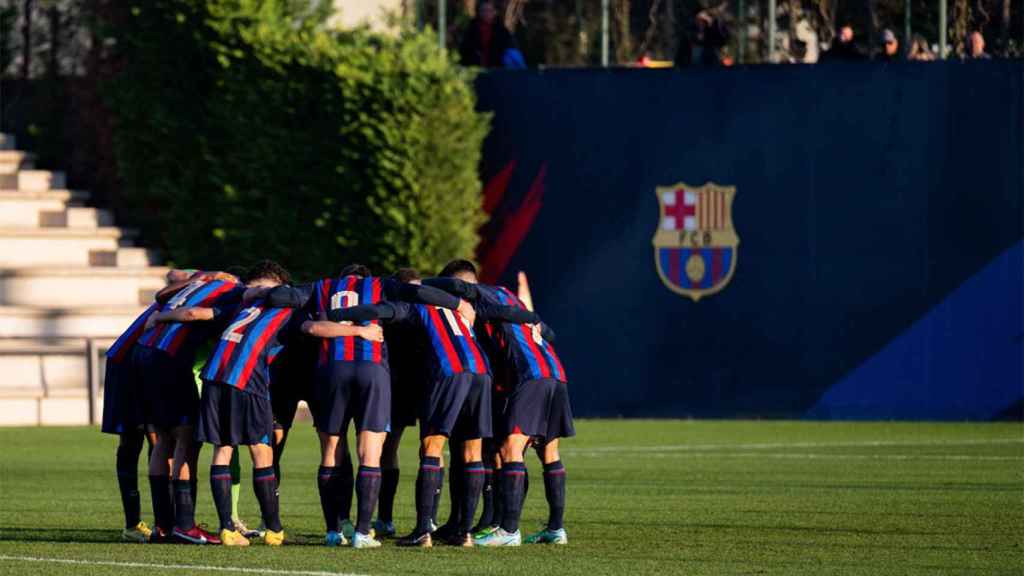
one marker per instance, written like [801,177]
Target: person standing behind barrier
[919,50]
[843,49]
[890,47]
[976,46]
[702,42]
[486,40]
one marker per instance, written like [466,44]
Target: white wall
[355,12]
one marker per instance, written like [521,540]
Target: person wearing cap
[890,47]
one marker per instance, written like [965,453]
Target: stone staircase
[70,283]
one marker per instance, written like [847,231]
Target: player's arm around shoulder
[186,314]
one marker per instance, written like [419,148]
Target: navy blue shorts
[458,407]
[538,408]
[170,397]
[122,398]
[358,392]
[231,417]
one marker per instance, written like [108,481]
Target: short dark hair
[456,266]
[356,270]
[267,269]
[406,275]
[237,271]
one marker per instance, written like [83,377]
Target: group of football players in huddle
[225,358]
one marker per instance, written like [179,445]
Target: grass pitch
[681,497]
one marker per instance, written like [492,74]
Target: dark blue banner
[831,241]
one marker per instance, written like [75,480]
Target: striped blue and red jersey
[341,293]
[454,347]
[246,349]
[122,347]
[181,339]
[532,356]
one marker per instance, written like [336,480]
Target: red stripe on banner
[446,343]
[377,349]
[268,332]
[673,266]
[467,331]
[495,256]
[716,265]
[727,216]
[495,188]
[545,370]
[721,211]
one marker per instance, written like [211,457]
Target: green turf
[644,497]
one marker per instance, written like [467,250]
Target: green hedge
[246,130]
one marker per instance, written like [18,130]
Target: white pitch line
[778,445]
[174,566]
[811,456]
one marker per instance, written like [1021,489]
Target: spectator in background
[919,50]
[710,36]
[890,47]
[486,41]
[976,46]
[843,48]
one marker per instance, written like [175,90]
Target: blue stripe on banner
[707,256]
[251,337]
[726,262]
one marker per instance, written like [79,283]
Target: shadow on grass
[104,536]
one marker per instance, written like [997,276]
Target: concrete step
[70,287]
[33,180]
[11,161]
[46,382]
[75,217]
[35,368]
[58,246]
[24,209]
[64,322]
[134,258]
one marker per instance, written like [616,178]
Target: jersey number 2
[234,332]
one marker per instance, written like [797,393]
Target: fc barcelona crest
[695,246]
